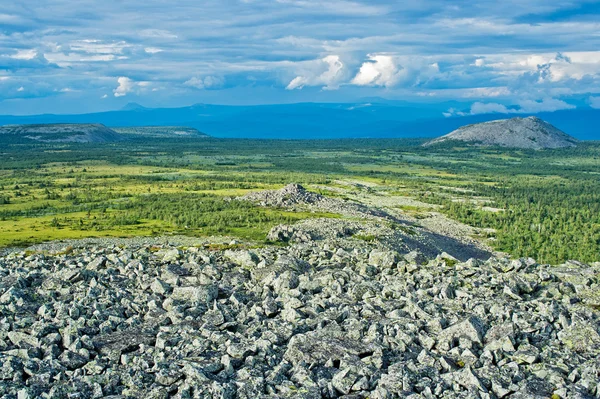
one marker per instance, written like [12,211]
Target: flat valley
[167,263]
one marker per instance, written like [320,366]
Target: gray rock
[321,346]
[383,258]
[196,294]
[471,329]
[246,259]
[171,255]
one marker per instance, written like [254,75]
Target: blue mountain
[374,118]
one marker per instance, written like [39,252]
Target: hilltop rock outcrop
[528,133]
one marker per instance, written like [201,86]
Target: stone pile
[296,196]
[309,320]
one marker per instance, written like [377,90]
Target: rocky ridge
[529,133]
[64,132]
[294,195]
[390,229]
[310,320]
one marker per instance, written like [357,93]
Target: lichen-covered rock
[196,294]
[580,337]
[334,319]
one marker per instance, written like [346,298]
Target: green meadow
[543,204]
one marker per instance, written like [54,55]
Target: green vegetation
[367,237]
[543,204]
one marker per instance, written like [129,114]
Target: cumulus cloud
[547,67]
[380,70]
[385,70]
[127,86]
[595,102]
[326,72]
[208,82]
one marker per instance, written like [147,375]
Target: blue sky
[66,56]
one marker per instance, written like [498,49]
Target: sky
[65,56]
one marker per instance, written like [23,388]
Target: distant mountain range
[313,120]
[530,133]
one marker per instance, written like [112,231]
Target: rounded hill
[529,133]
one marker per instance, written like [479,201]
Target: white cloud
[152,50]
[20,89]
[380,70]
[595,102]
[198,83]
[488,108]
[545,105]
[297,83]
[104,96]
[127,86]
[385,70]
[478,53]
[454,112]
[67,60]
[336,7]
[523,107]
[208,82]
[547,67]
[326,72]
[25,54]
[158,33]
[92,46]
[477,92]
[213,82]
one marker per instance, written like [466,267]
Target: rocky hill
[527,133]
[64,132]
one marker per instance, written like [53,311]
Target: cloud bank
[524,55]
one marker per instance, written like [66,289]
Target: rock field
[364,307]
[305,321]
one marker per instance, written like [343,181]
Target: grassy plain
[544,204]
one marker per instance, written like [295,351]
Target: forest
[541,204]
